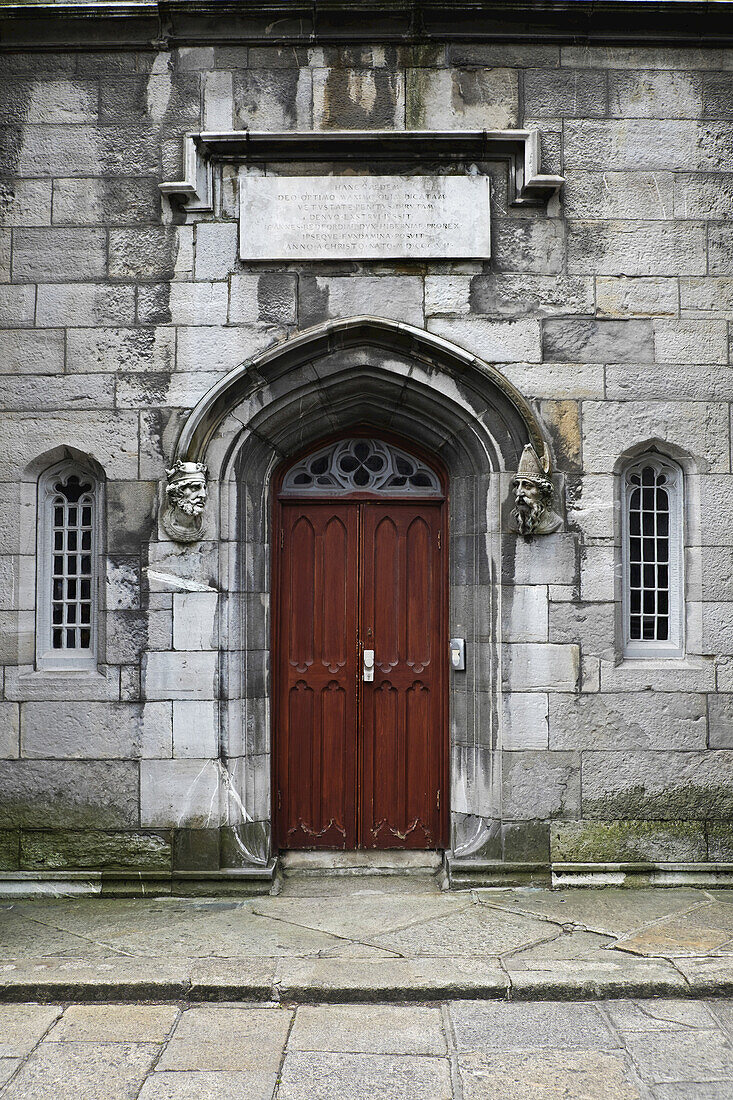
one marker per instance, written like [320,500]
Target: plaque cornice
[519,148]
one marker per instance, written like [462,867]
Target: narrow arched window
[653,555]
[67,585]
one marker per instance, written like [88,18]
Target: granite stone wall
[609,308]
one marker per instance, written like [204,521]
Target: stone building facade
[590,735]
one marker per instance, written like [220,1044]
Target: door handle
[368,666]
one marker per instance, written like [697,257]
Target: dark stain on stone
[359,99]
[275,297]
[312,301]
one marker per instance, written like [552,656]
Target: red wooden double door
[360,763]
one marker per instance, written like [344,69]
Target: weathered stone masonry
[606,306]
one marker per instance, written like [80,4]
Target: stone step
[360,863]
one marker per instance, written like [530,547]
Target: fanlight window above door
[361,466]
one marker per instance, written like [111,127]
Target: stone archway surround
[385,376]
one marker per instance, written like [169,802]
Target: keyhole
[369,632]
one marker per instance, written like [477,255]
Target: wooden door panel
[316,702]
[402,710]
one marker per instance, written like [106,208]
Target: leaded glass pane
[361,465]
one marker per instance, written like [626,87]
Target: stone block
[5,254]
[706,296]
[637,145]
[60,255]
[176,568]
[638,297]
[397,297]
[468,99]
[524,721]
[217,249]
[195,624]
[361,99]
[25,202]
[717,89]
[195,729]
[703,196]
[565,93]
[67,730]
[56,391]
[636,248]
[720,721]
[540,667]
[52,794]
[598,571]
[557,380]
[183,304]
[17,305]
[277,99]
[547,560]
[642,57]
[211,348]
[627,721]
[181,675]
[9,731]
[691,341]
[720,257]
[716,500]
[110,438]
[575,340]
[524,613]
[218,92]
[90,304]
[716,564]
[507,295]
[270,297]
[658,786]
[171,97]
[694,674]
[610,428]
[540,785]
[687,382]
[178,391]
[179,793]
[648,195]
[529,245]
[149,253]
[120,349]
[106,201]
[131,513]
[63,850]
[717,628]
[9,850]
[589,625]
[655,94]
[503,54]
[628,842]
[31,352]
[496,341]
[129,634]
[48,101]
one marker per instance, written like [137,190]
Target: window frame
[47,658]
[674,646]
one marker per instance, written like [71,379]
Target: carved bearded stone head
[533,497]
[186,494]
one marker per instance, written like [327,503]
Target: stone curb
[308,981]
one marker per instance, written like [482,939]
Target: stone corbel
[534,495]
[185,495]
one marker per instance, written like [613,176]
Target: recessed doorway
[361,653]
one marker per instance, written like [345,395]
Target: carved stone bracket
[182,513]
[534,494]
[520,148]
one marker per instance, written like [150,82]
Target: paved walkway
[466,1050]
[370,939]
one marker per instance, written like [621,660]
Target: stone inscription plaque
[364,217]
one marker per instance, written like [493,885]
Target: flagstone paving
[370,938]
[461,1050]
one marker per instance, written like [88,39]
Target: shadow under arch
[390,378]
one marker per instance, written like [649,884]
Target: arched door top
[412,344]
